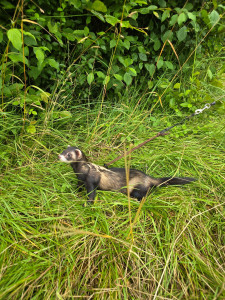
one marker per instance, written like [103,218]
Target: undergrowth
[171,246]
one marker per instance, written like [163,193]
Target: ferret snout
[62,158]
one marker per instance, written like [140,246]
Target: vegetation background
[106,76]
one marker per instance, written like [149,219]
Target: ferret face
[71,154]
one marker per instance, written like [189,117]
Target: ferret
[94,177]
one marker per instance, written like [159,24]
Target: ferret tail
[174,181]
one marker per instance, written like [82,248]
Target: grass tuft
[171,246]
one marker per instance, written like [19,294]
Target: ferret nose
[59,156]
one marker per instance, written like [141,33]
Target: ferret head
[71,154]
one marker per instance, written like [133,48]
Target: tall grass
[171,246]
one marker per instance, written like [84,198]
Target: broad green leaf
[43,48]
[146,10]
[15,87]
[169,65]
[150,84]
[191,16]
[165,15]
[117,76]
[99,6]
[157,45]
[173,20]
[15,37]
[131,38]
[101,33]
[18,57]
[121,60]
[182,33]
[16,102]
[189,6]
[106,80]
[134,73]
[52,28]
[53,63]
[30,40]
[111,20]
[162,3]
[127,78]
[143,56]
[70,36]
[79,32]
[126,44]
[176,86]
[115,69]
[181,18]
[160,63]
[100,74]
[98,15]
[150,68]
[34,72]
[128,61]
[141,49]
[186,104]
[168,35]
[76,3]
[103,47]
[30,35]
[86,31]
[135,57]
[6,91]
[112,43]
[164,84]
[187,92]
[39,54]
[90,78]
[156,14]
[32,112]
[214,17]
[205,17]
[152,7]
[126,24]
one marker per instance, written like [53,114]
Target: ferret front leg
[80,185]
[91,190]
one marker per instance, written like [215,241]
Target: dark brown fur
[94,177]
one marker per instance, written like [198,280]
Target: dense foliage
[81,47]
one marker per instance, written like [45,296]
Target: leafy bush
[80,47]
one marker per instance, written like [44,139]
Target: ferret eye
[69,155]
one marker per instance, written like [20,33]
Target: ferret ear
[78,154]
[68,146]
